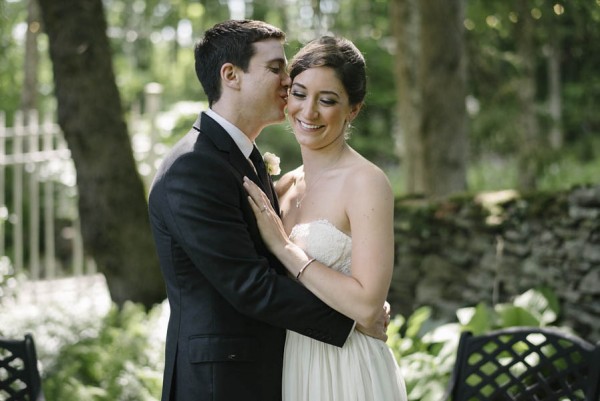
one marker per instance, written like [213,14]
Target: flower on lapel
[272,162]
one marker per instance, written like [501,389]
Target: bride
[335,234]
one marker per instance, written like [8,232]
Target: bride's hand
[269,223]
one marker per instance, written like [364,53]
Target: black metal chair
[19,375]
[525,364]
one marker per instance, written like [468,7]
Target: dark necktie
[261,170]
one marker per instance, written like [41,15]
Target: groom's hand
[379,328]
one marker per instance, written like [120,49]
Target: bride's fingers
[252,188]
[256,193]
[253,205]
[258,201]
[258,208]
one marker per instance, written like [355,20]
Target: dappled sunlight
[56,312]
[493,201]
[66,311]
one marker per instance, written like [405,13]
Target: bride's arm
[369,206]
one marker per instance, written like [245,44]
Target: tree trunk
[405,28]
[30,81]
[442,75]
[527,123]
[112,201]
[430,79]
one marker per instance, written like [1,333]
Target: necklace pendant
[298,201]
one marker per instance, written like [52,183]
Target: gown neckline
[322,221]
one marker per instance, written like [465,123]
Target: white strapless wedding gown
[364,369]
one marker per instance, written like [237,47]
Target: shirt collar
[240,139]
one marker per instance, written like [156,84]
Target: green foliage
[372,131]
[279,139]
[152,41]
[576,164]
[118,354]
[426,349]
[89,349]
[114,365]
[10,67]
[564,28]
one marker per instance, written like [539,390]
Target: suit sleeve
[210,217]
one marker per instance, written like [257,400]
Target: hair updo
[339,54]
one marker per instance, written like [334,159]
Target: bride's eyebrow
[332,93]
[322,92]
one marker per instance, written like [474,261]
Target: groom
[230,299]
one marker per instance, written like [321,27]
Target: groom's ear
[230,76]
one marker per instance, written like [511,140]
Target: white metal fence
[39,223]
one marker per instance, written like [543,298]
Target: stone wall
[463,251]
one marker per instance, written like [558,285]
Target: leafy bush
[426,348]
[103,353]
[88,349]
[120,363]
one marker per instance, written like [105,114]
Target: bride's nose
[310,110]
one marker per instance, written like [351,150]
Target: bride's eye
[298,95]
[328,102]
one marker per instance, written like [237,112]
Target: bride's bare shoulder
[287,180]
[365,176]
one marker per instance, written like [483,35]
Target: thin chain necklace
[316,180]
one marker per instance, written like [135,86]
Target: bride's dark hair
[342,56]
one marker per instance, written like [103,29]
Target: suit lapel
[224,143]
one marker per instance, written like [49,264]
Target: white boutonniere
[272,162]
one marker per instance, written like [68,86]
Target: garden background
[482,113]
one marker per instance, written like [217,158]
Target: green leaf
[510,316]
[481,319]
[416,320]
[538,304]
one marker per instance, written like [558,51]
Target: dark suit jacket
[230,298]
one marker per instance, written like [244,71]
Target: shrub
[121,363]
[426,348]
[106,353]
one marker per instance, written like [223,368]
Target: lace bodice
[324,241]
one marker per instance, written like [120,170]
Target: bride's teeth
[309,126]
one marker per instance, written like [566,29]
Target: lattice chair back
[19,375]
[525,364]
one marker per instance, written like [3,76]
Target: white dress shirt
[241,140]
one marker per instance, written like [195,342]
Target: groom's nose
[286,81]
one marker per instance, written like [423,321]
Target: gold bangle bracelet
[304,268]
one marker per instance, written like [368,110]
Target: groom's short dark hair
[229,42]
